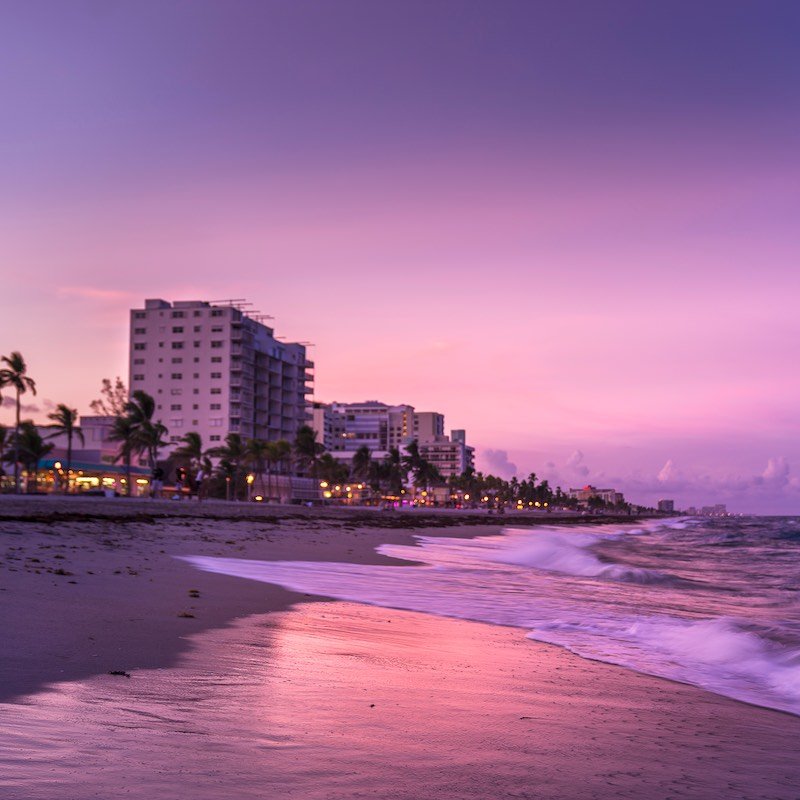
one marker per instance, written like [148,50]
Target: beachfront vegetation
[65,423]
[14,374]
[29,448]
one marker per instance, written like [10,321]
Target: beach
[241,687]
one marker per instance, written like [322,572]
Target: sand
[241,689]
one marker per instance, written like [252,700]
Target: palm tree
[307,450]
[259,454]
[14,374]
[362,459]
[232,455]
[30,449]
[65,420]
[279,451]
[191,450]
[125,432]
[3,442]
[140,409]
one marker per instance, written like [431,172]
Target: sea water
[710,602]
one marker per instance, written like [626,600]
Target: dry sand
[327,700]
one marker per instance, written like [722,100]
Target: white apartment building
[451,455]
[345,427]
[213,369]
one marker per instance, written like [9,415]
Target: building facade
[215,369]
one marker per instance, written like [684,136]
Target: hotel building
[345,427]
[218,369]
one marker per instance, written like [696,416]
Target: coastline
[90,585]
[299,696]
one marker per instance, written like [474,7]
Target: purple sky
[572,227]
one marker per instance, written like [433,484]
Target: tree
[65,421]
[279,452]
[4,438]
[331,470]
[360,466]
[232,455]
[191,450]
[14,374]
[30,449]
[307,450]
[258,454]
[124,431]
[113,400]
[150,434]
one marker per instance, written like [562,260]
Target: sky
[572,227]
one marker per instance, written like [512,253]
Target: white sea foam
[551,583]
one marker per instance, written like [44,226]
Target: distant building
[216,369]
[718,510]
[346,427]
[450,456]
[583,496]
[666,506]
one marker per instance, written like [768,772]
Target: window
[216,406]
[177,314]
[139,315]
[195,407]
[215,422]
[196,375]
[217,312]
[195,391]
[138,377]
[196,360]
[216,391]
[178,329]
[161,344]
[176,423]
[198,314]
[139,346]
[217,343]
[216,329]
[177,361]
[140,331]
[176,376]
[176,391]
[175,438]
[195,422]
[176,407]
[216,374]
[215,437]
[216,359]
[138,361]
[177,345]
[198,328]
[196,344]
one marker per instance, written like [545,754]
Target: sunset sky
[572,227]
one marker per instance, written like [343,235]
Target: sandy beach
[239,688]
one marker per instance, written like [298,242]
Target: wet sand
[232,694]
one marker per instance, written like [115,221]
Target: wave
[534,580]
[569,554]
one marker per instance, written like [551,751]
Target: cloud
[91,293]
[776,471]
[44,405]
[669,472]
[497,463]
[576,465]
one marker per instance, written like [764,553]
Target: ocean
[712,602]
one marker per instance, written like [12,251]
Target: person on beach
[180,480]
[157,482]
[200,484]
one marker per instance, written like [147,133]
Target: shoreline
[305,696]
[90,585]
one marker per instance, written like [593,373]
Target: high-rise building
[216,369]
[666,506]
[345,427]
